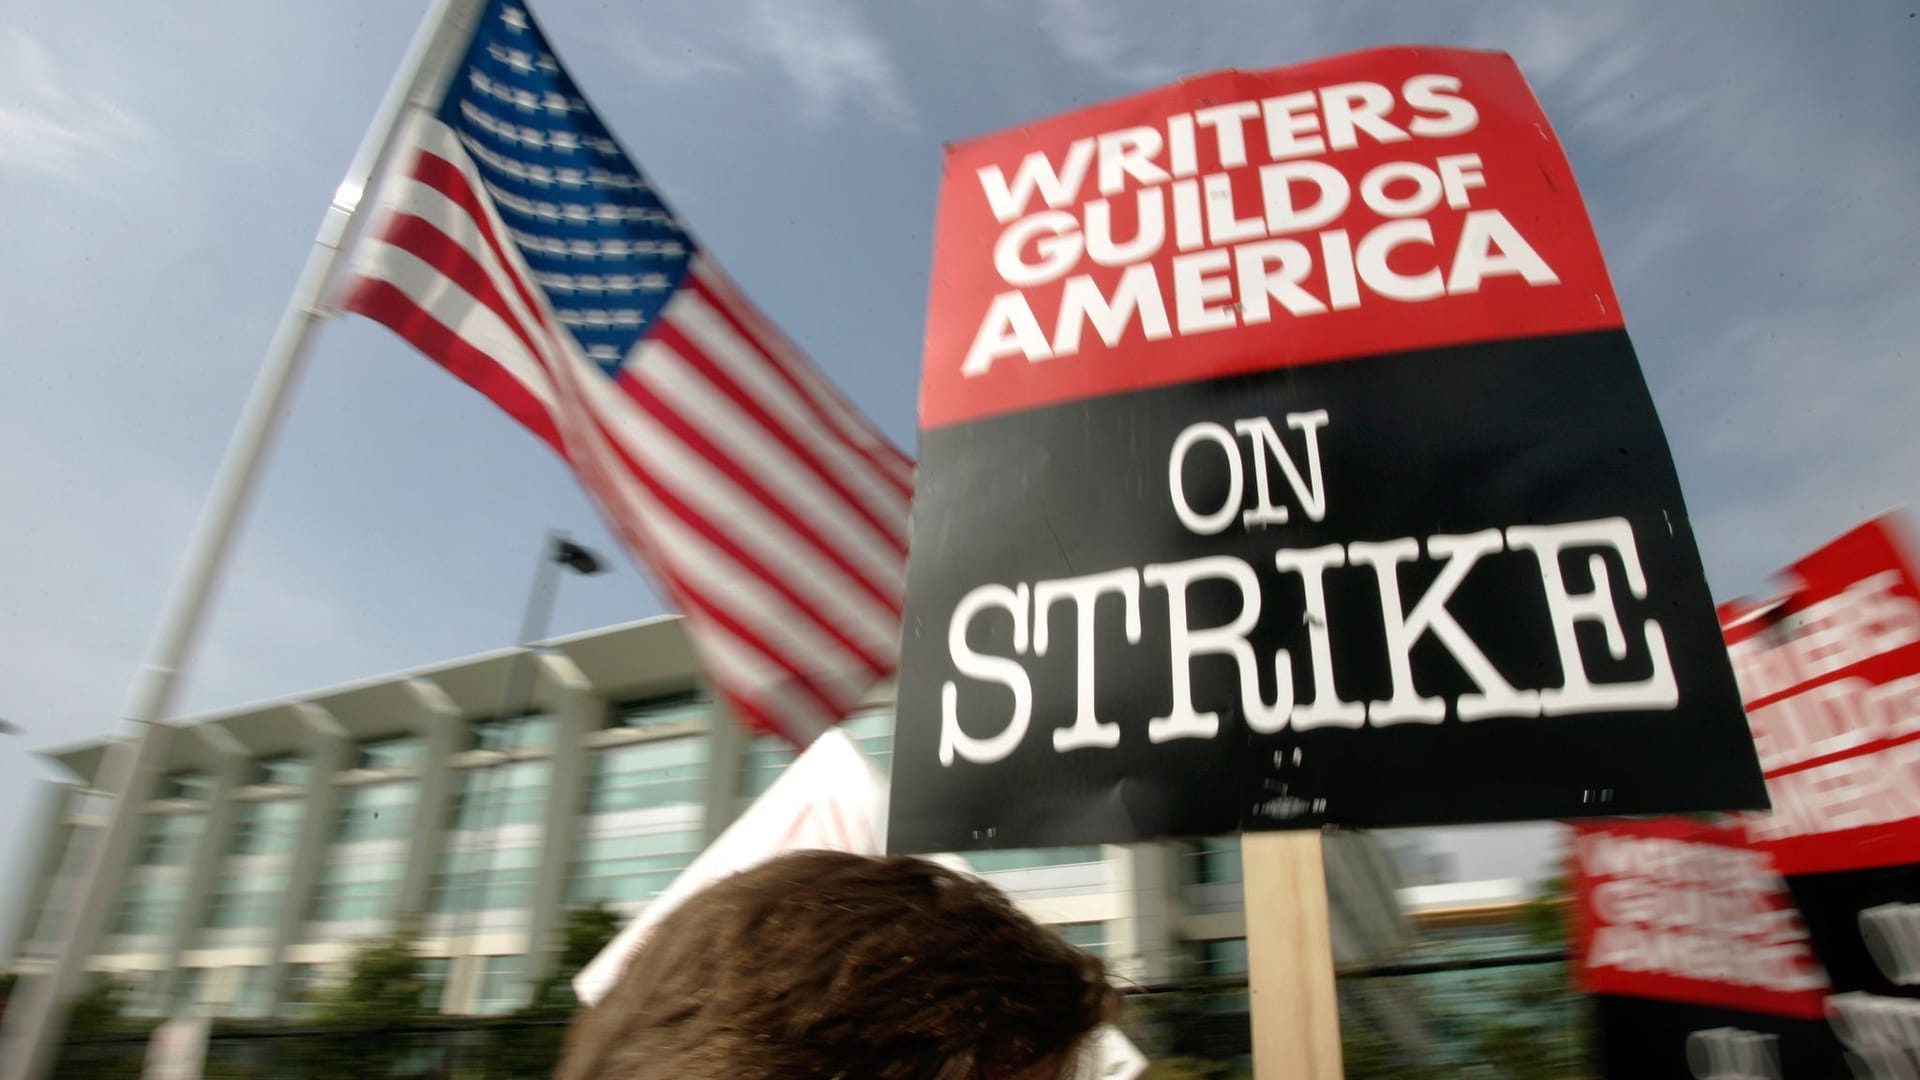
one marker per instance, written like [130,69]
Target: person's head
[827,965]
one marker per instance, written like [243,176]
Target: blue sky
[1749,167]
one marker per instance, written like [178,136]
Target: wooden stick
[1295,1013]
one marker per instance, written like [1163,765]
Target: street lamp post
[557,552]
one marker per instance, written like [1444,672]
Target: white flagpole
[36,1022]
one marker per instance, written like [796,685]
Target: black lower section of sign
[1864,926]
[1487,442]
[1641,1039]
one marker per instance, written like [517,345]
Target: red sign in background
[1830,674]
[1679,910]
[1684,911]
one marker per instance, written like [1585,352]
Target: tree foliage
[361,1016]
[1546,1030]
[96,1043]
[385,986]
[588,930]
[533,1048]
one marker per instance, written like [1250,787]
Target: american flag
[518,246]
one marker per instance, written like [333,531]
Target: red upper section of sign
[1830,673]
[1382,201]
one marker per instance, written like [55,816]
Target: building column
[726,749]
[41,866]
[230,775]
[565,694]
[130,766]
[1145,944]
[442,730]
[330,751]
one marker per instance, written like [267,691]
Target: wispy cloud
[49,129]
[1088,33]
[831,55]
[822,49]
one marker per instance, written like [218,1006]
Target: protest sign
[1702,966]
[1645,1039]
[1674,909]
[1830,674]
[1285,462]
[1865,925]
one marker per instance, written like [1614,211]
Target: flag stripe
[879,580]
[733,600]
[832,702]
[868,612]
[441,254]
[747,371]
[779,580]
[450,180]
[697,565]
[689,385]
[385,303]
[783,361]
[740,669]
[443,278]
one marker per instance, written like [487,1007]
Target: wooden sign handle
[1295,1012]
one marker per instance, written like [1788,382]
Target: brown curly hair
[829,966]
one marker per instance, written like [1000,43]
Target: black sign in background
[1542,431]
[1643,1039]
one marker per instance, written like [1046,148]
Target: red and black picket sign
[1285,462]
[1782,945]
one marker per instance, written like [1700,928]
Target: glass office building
[279,836]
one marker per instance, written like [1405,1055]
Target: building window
[57,902]
[375,812]
[433,982]
[1089,937]
[242,900]
[502,987]
[1216,861]
[169,838]
[988,862]
[357,890]
[1223,958]
[485,880]
[189,993]
[285,771]
[149,908]
[513,794]
[250,997]
[630,869]
[400,752]
[270,827]
[767,757]
[305,984]
[658,712]
[144,993]
[519,733]
[643,775]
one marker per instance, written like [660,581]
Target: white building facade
[280,836]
